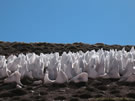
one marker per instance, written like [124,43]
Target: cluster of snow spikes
[69,67]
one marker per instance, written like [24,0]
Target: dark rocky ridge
[8,48]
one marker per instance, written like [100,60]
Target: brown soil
[94,90]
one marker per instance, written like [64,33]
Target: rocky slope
[8,48]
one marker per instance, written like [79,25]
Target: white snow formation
[69,67]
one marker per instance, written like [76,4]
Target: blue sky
[68,21]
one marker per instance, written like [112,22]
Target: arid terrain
[94,90]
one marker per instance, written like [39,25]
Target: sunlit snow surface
[69,67]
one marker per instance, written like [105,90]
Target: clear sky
[68,21]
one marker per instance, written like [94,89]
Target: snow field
[69,67]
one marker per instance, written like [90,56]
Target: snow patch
[75,67]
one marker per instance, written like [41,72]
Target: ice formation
[69,67]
